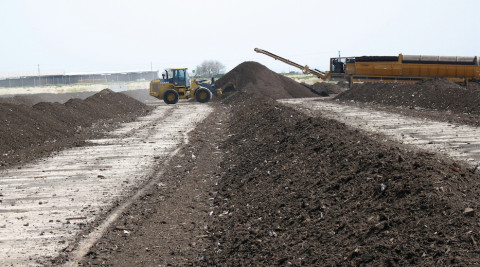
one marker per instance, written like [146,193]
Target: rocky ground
[262,184]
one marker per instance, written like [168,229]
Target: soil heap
[434,94]
[28,132]
[254,77]
[306,191]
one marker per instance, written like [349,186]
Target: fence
[32,81]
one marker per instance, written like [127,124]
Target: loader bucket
[227,90]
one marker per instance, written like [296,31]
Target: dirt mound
[310,191]
[435,94]
[83,107]
[69,116]
[105,104]
[256,78]
[110,104]
[27,132]
[26,128]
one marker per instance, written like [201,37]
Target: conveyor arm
[305,68]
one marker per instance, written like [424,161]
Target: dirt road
[45,204]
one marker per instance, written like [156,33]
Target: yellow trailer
[411,68]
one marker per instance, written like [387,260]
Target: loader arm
[305,68]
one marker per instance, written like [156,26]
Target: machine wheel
[203,95]
[170,96]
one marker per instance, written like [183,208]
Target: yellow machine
[175,84]
[401,69]
[411,68]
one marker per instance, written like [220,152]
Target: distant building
[75,78]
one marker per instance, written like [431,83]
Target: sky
[122,35]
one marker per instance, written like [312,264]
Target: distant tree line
[210,68]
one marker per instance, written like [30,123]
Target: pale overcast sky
[116,35]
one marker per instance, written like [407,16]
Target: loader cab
[180,77]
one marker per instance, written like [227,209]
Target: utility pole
[38,66]
[339,53]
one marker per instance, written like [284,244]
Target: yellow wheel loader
[175,84]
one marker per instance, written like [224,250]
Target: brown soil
[29,132]
[265,82]
[269,186]
[310,191]
[439,99]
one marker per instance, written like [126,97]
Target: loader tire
[170,97]
[203,95]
